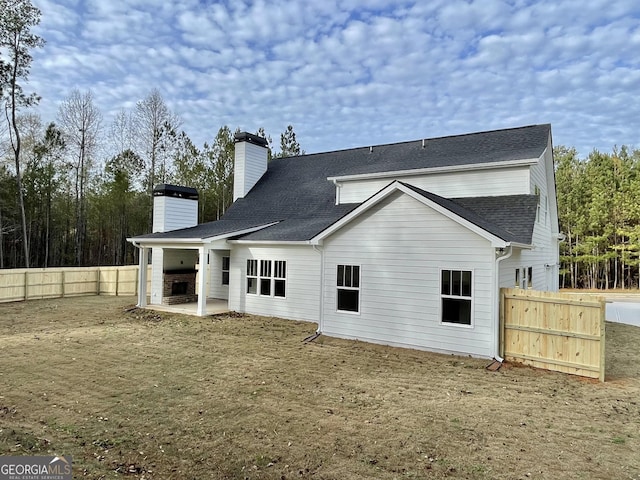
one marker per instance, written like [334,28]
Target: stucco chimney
[250,163]
[174,207]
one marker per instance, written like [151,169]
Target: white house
[403,244]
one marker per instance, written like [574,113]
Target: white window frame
[524,277]
[541,207]
[223,270]
[457,297]
[259,274]
[279,274]
[343,287]
[252,273]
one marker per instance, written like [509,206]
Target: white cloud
[348,72]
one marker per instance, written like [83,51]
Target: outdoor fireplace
[179,286]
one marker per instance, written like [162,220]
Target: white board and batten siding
[172,213]
[302,300]
[478,183]
[401,246]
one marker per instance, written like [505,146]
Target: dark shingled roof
[296,193]
[509,217]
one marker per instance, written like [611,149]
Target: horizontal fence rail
[560,332]
[39,283]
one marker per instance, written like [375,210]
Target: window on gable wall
[456,295]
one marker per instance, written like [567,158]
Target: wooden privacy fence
[38,283]
[561,332]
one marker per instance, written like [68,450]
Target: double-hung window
[524,277]
[252,276]
[225,270]
[279,278]
[348,284]
[267,277]
[456,294]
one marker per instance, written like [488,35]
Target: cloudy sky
[350,73]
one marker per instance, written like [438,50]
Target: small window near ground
[456,294]
[225,270]
[529,277]
[348,284]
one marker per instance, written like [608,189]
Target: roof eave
[199,240]
[525,246]
[270,242]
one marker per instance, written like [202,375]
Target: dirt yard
[146,395]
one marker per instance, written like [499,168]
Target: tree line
[87,187]
[599,213]
[72,189]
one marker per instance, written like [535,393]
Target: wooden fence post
[603,309]
[26,285]
[98,281]
[117,280]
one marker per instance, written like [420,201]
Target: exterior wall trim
[422,171]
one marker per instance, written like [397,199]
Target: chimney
[250,163]
[174,207]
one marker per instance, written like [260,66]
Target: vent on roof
[424,143]
[371,149]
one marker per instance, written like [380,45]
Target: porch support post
[203,271]
[143,263]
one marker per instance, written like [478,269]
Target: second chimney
[251,158]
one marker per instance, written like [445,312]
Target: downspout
[338,187]
[320,250]
[497,302]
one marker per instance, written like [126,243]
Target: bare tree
[121,144]
[17,17]
[153,122]
[80,121]
[121,133]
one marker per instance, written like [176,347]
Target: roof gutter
[202,240]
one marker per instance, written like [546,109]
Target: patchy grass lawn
[148,395]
